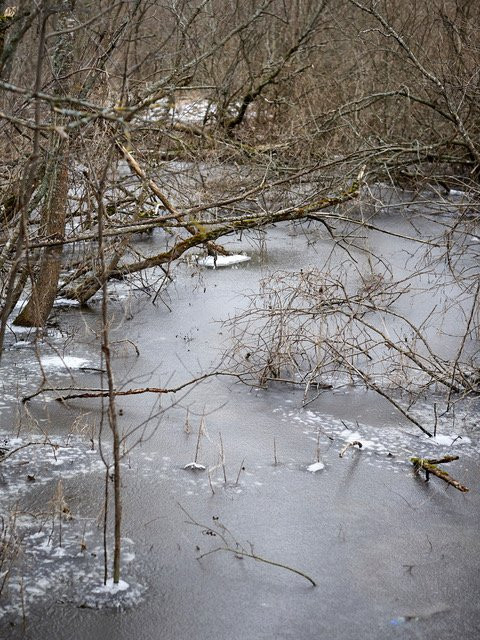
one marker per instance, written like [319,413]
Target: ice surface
[392,443]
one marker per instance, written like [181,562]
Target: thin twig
[242,468]
[222,456]
[238,550]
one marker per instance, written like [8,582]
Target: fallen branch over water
[429,465]
[103,393]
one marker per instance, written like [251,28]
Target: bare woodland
[306,108]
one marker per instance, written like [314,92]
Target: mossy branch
[429,465]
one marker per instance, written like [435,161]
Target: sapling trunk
[112,420]
[222,455]
[112,414]
[242,468]
[201,428]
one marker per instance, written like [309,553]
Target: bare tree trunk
[45,284]
[16,278]
[44,287]
[88,285]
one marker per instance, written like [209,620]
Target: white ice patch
[39,534]
[449,440]
[194,466]
[214,262]
[67,362]
[316,466]
[195,111]
[37,463]
[56,562]
[188,111]
[67,573]
[18,329]
[21,344]
[112,587]
[65,302]
[355,436]
[128,557]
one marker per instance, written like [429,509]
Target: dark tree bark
[45,282]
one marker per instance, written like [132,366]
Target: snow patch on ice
[20,344]
[18,329]
[194,466]
[391,442]
[112,587]
[65,362]
[184,110]
[449,440]
[69,573]
[65,302]
[215,262]
[355,436]
[316,466]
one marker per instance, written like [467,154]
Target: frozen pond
[392,556]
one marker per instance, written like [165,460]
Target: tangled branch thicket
[321,330]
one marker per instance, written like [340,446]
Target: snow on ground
[21,343]
[193,111]
[188,111]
